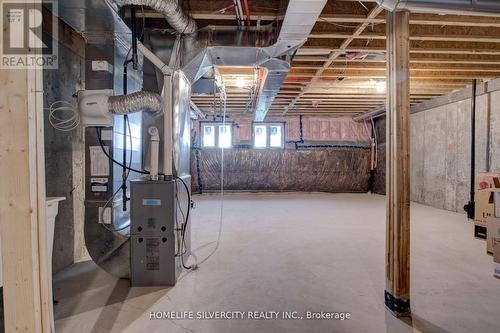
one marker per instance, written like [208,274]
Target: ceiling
[340,70]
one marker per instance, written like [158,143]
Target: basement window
[268,135]
[216,135]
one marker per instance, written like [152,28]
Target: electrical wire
[186,220]
[217,242]
[184,226]
[181,239]
[112,159]
[65,124]
[376,141]
[118,190]
[178,228]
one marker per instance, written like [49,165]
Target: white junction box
[102,66]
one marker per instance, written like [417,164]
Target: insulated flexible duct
[135,102]
[172,11]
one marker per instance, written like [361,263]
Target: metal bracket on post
[399,307]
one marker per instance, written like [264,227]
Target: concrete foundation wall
[440,150]
[64,158]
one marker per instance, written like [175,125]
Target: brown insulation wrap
[308,170]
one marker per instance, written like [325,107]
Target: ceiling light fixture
[240,82]
[380,86]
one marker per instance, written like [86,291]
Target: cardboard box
[496,201]
[486,184]
[496,257]
[493,231]
[485,180]
[495,192]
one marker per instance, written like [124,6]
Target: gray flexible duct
[135,102]
[172,11]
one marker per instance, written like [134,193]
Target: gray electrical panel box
[154,231]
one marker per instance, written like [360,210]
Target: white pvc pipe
[154,147]
[167,107]
[154,59]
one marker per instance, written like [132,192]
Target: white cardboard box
[496,200]
[493,229]
[496,257]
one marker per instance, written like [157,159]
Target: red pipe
[247,11]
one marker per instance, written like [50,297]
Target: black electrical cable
[133,24]
[111,158]
[114,194]
[184,227]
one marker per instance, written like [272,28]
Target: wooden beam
[456,96]
[422,59]
[382,75]
[65,34]
[437,38]
[419,19]
[416,18]
[308,50]
[27,300]
[397,292]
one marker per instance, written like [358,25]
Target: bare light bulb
[240,82]
[380,87]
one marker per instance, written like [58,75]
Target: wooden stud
[22,208]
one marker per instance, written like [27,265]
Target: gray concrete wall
[64,158]
[440,150]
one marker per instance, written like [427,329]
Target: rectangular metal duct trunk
[456,7]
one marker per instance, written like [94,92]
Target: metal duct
[456,7]
[300,18]
[235,47]
[172,11]
[135,102]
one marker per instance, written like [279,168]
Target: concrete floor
[299,252]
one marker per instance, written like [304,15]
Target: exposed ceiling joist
[334,55]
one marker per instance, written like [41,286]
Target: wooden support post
[397,293]
[22,197]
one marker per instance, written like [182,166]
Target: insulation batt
[309,170]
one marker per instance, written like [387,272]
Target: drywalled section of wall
[440,150]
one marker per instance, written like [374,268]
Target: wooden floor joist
[348,43]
